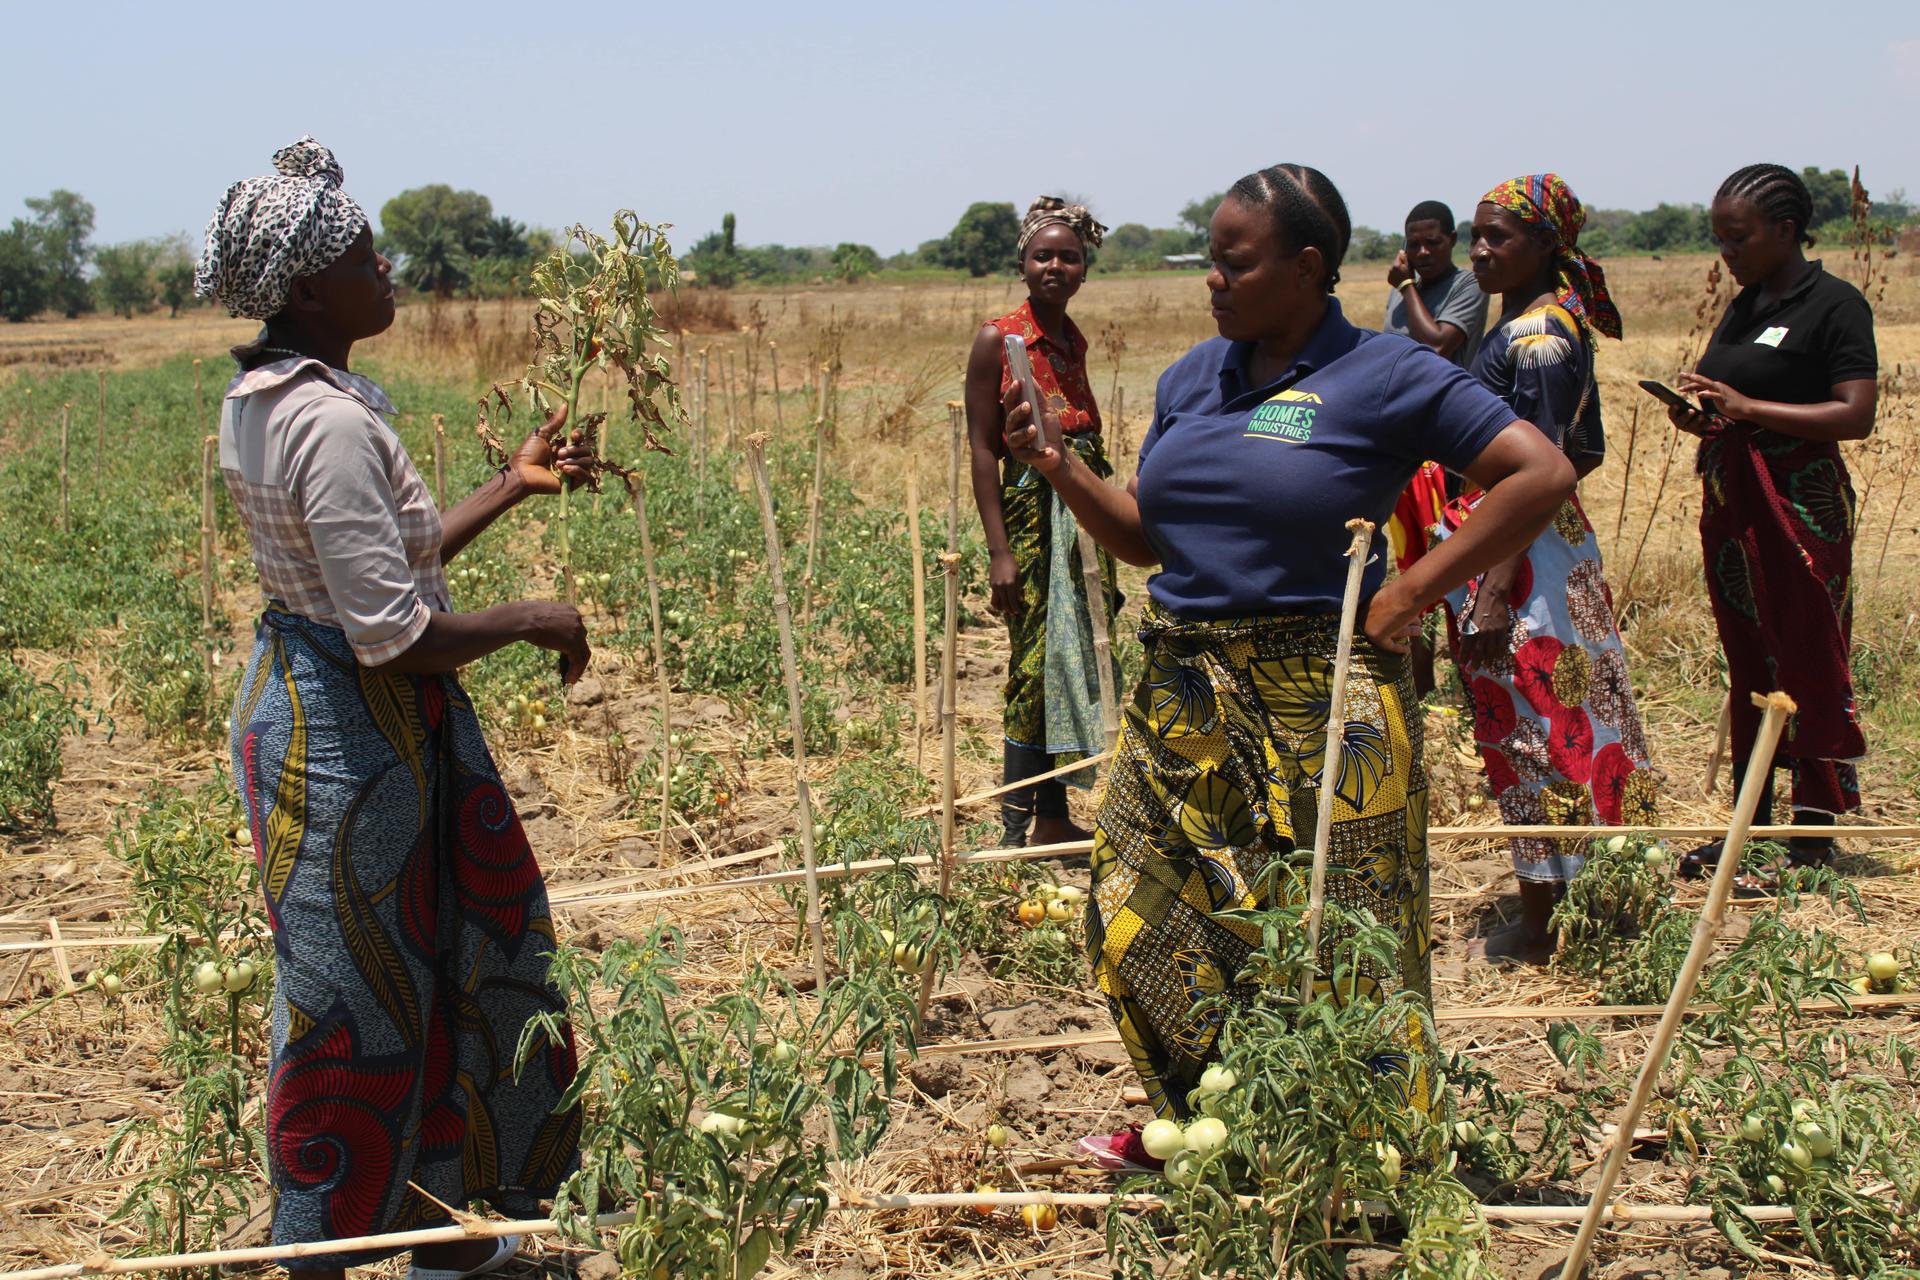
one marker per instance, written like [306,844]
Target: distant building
[1180,261]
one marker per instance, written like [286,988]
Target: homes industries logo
[1288,416]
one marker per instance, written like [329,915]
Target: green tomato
[1206,1135]
[207,978]
[998,1137]
[1816,1140]
[1752,1127]
[909,959]
[239,978]
[1796,1155]
[109,985]
[1389,1157]
[785,1051]
[1218,1079]
[1883,966]
[1653,856]
[1775,1187]
[1183,1170]
[719,1122]
[1163,1139]
[1466,1132]
[1072,895]
[1616,844]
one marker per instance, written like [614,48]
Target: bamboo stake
[783,615]
[733,408]
[819,477]
[779,415]
[1362,531]
[1102,643]
[700,438]
[66,418]
[209,455]
[919,611]
[639,486]
[1777,707]
[440,460]
[103,1264]
[1720,732]
[1086,762]
[100,428]
[949,686]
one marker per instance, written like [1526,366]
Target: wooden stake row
[101,1264]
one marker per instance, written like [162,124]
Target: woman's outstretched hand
[551,454]
[1023,438]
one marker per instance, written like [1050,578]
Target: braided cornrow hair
[1777,192]
[1306,208]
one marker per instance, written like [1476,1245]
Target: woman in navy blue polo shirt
[1265,441]
[1789,374]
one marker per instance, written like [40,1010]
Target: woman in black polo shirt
[1787,376]
[1265,441]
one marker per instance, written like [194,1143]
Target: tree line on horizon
[449,242]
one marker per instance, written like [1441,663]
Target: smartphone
[1022,370]
[1667,395]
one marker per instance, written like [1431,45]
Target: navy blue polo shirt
[1245,491]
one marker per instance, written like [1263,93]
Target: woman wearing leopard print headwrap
[410,921]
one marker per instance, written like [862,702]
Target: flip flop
[508,1246]
[1120,1152]
[1702,861]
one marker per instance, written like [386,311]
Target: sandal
[502,1253]
[1702,861]
[1121,1152]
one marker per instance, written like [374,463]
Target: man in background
[1435,302]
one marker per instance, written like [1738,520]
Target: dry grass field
[71,1075]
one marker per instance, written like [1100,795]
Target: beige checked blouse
[343,529]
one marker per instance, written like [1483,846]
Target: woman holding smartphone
[1265,442]
[1038,585]
[1789,373]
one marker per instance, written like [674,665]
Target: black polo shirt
[1794,350]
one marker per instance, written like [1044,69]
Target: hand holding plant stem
[594,310]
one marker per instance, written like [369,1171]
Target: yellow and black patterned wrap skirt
[1219,766]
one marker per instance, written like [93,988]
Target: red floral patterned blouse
[1059,369]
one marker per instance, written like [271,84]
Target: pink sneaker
[1121,1152]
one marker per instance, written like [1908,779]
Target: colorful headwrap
[1544,199]
[1048,210]
[271,230]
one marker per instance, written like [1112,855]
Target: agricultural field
[134,960]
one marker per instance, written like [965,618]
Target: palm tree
[440,265]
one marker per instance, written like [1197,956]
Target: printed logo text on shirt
[1288,416]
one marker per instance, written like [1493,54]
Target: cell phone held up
[1668,396]
[1021,370]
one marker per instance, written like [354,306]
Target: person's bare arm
[452,640]
[1526,477]
[1109,514]
[983,428]
[1848,416]
[1442,335]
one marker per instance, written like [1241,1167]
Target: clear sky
[879,123]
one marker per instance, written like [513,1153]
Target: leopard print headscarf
[1048,210]
[271,230]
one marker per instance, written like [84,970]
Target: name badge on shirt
[1771,337]
[1288,416]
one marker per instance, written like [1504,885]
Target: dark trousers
[1020,806]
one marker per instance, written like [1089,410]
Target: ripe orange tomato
[1031,913]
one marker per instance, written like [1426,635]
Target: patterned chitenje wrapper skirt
[411,939]
[1027,506]
[1554,716]
[1218,768]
